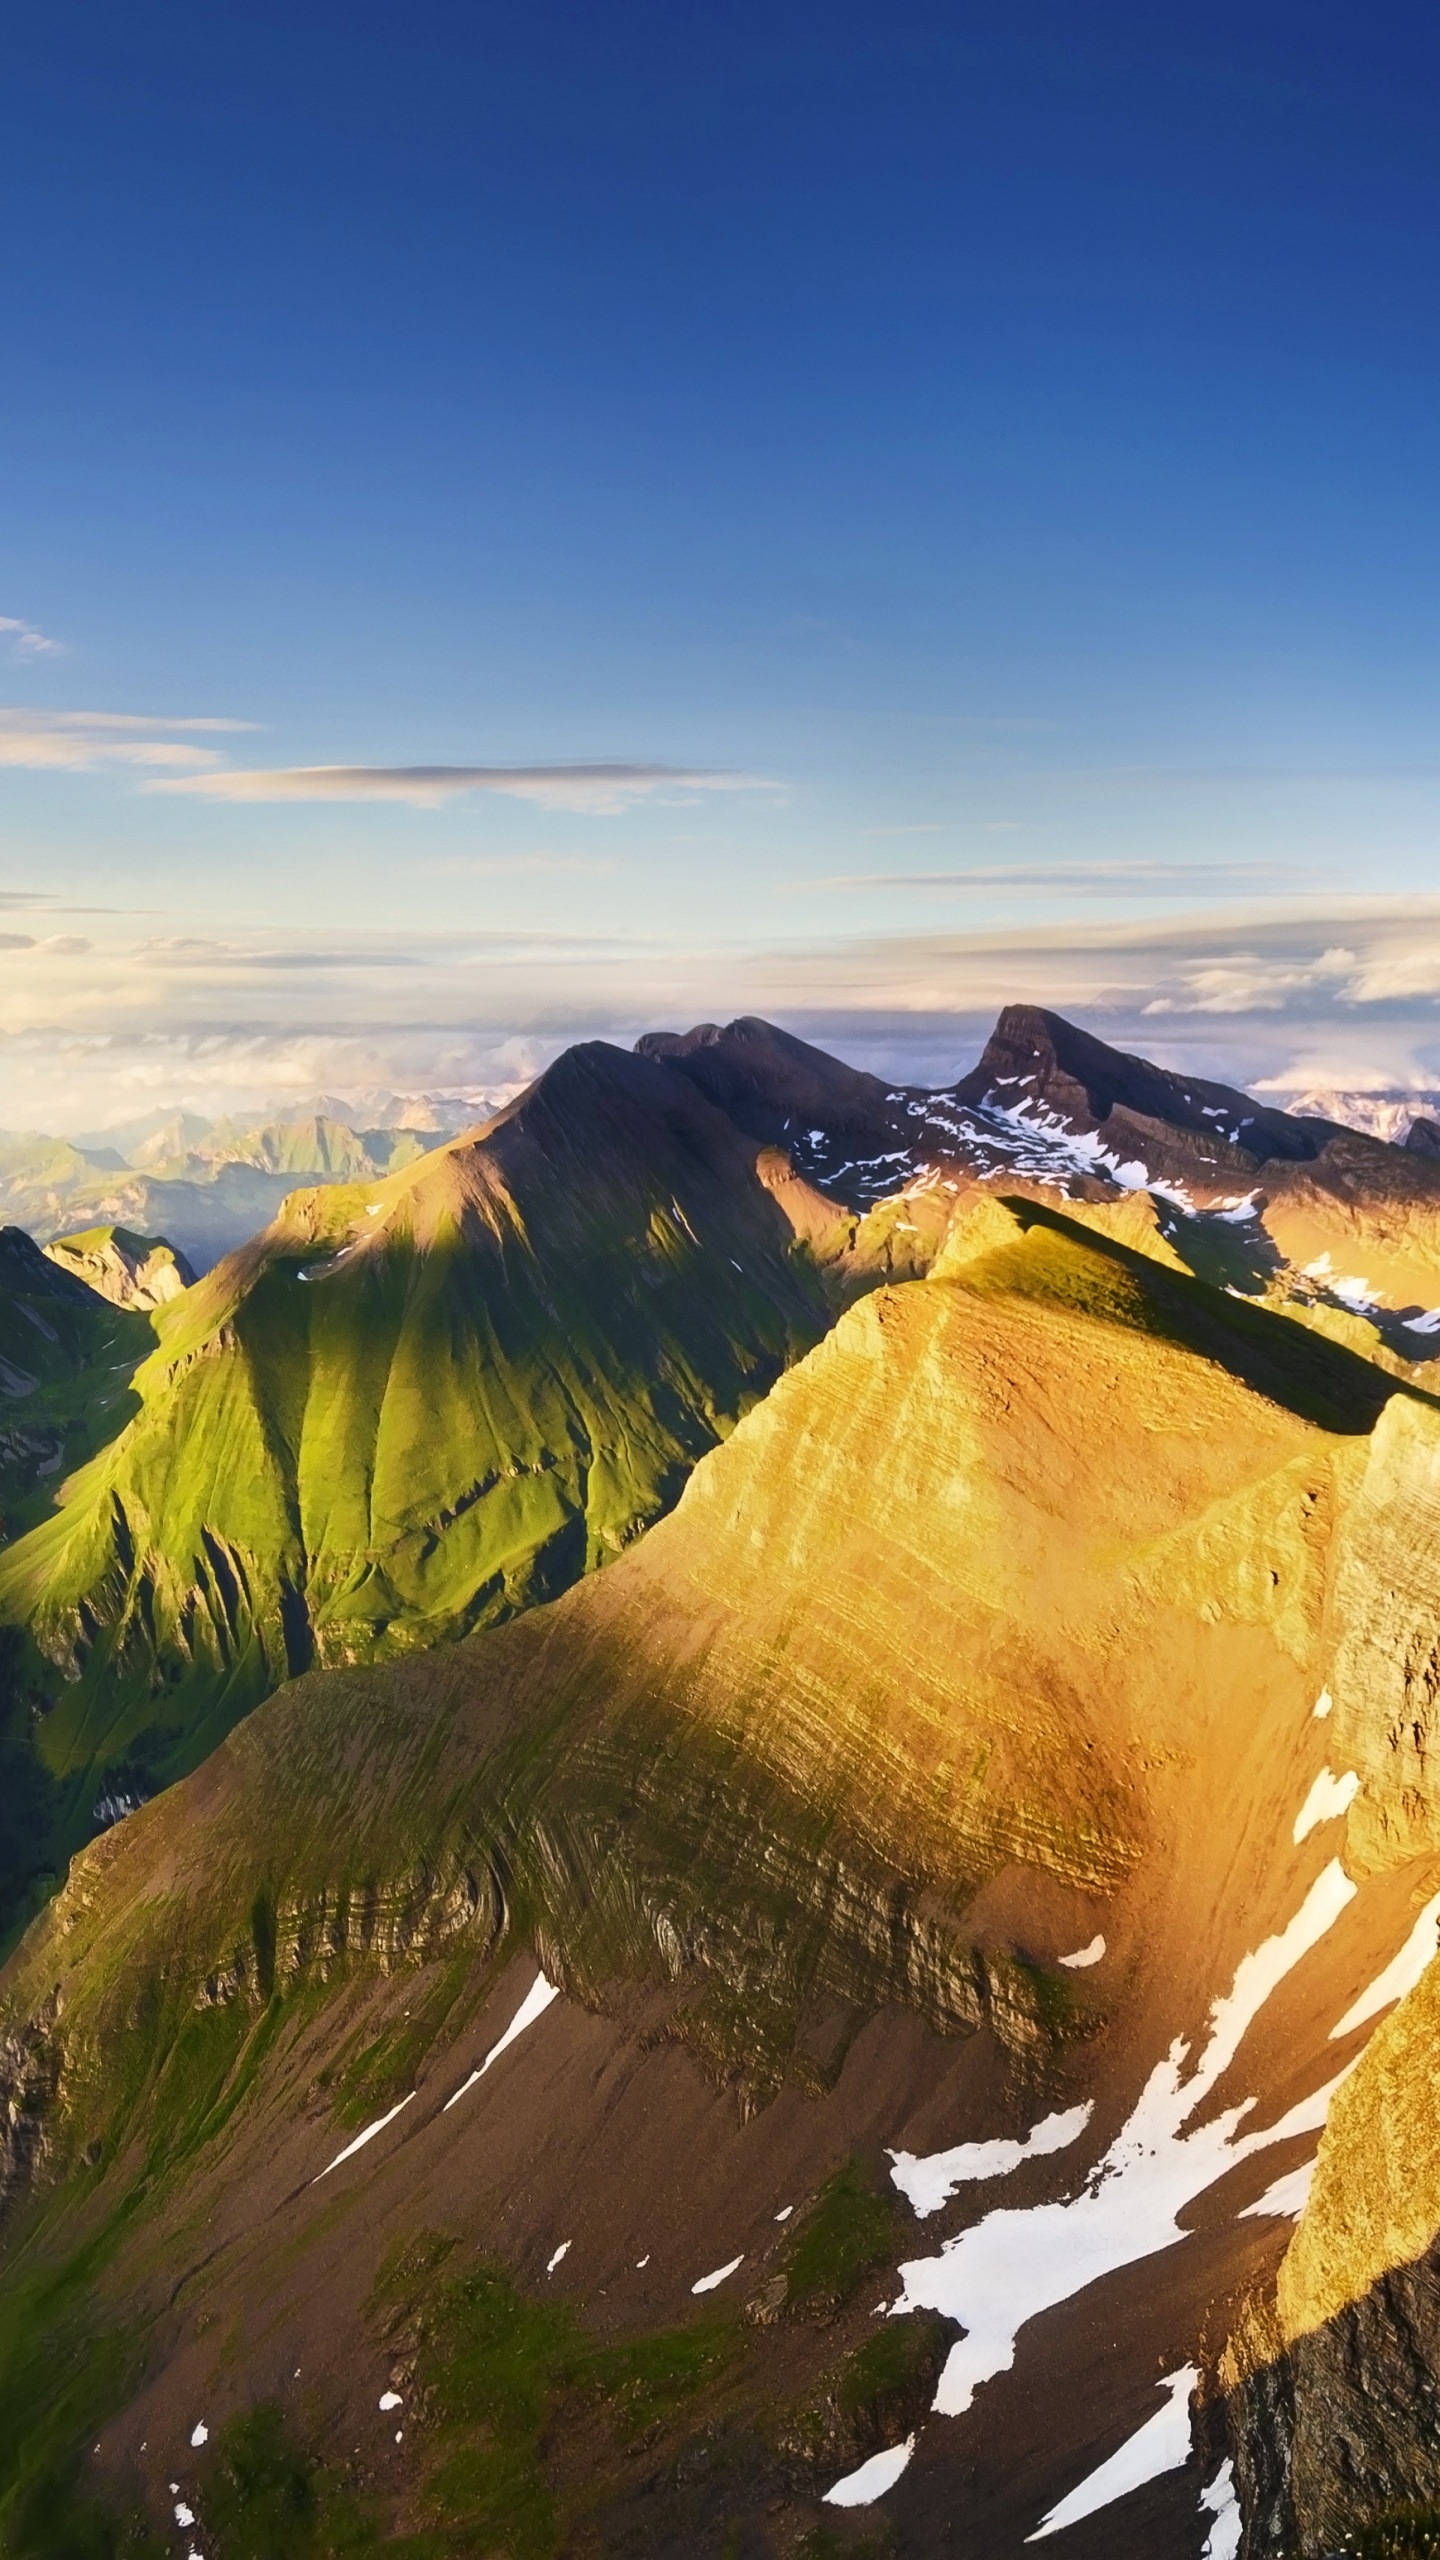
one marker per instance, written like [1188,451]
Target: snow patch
[536,2001]
[1327,1800]
[1219,2500]
[184,2515]
[1428,1323]
[930,2179]
[200,2434]
[1288,2196]
[563,2251]
[391,2400]
[861,2488]
[1085,1955]
[1323,1704]
[1400,1975]
[784,2213]
[1162,2444]
[707,2284]
[1016,2263]
[361,2139]
[1356,1292]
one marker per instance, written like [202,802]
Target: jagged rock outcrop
[129,1270]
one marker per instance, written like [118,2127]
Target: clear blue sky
[994,444]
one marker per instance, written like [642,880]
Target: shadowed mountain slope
[66,1359]
[882,1817]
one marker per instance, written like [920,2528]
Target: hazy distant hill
[205,1184]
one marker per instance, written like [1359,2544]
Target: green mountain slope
[407,1410]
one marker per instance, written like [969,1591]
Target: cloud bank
[1292,995]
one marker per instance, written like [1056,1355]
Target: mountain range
[206,1185]
[718,1788]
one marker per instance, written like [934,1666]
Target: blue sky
[972,473]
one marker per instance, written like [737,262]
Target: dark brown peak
[590,1072]
[1035,1056]
[769,1082]
[1422,1138]
[678,1044]
[598,1107]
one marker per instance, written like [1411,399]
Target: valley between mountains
[720,1836]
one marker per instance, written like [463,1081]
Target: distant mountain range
[855,1681]
[206,1185]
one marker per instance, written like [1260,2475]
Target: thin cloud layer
[87,741]
[602,790]
[1083,880]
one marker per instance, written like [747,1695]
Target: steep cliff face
[1334,2378]
[882,1818]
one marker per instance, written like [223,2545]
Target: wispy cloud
[86,741]
[1087,880]
[202,951]
[22,640]
[601,790]
[935,827]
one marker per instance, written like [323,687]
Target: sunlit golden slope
[994,1628]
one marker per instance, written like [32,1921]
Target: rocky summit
[721,1834]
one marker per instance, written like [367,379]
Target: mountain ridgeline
[938,1867]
